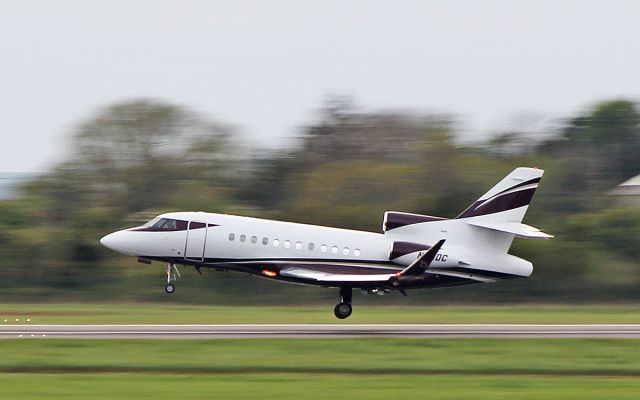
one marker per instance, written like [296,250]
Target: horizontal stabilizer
[519,229]
[419,266]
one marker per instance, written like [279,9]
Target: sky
[265,67]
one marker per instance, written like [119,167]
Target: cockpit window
[169,224]
[164,224]
[151,222]
[159,224]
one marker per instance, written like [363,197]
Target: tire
[342,310]
[169,288]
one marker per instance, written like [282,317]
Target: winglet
[419,266]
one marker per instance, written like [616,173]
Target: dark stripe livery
[499,203]
[502,202]
[394,219]
[399,249]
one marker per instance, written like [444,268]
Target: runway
[316,331]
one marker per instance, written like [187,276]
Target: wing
[462,275]
[318,276]
[417,268]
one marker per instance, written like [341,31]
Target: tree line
[135,159]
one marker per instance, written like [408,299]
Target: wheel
[169,288]
[342,310]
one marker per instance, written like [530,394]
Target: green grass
[321,369]
[189,314]
[350,356]
[308,386]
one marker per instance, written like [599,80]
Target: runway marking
[320,330]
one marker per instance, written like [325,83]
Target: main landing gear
[343,309]
[172,275]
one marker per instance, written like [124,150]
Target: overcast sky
[265,66]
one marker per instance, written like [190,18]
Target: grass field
[189,314]
[308,386]
[321,369]
[372,368]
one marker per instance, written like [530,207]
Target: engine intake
[401,249]
[395,219]
[404,253]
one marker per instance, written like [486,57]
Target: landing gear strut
[343,309]
[172,275]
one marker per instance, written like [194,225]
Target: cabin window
[323,248]
[287,244]
[356,252]
[345,251]
[232,237]
[254,239]
[334,250]
[276,243]
[243,237]
[311,246]
[298,245]
[265,241]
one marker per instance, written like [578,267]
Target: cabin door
[196,241]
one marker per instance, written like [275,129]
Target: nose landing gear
[344,309]
[172,275]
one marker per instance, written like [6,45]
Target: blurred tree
[134,155]
[350,194]
[608,141]
[596,151]
[345,132]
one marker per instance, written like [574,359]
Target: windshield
[165,224]
[151,223]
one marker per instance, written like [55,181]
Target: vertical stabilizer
[498,214]
[514,192]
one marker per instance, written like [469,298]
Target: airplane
[413,251]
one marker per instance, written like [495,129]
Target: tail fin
[498,213]
[509,199]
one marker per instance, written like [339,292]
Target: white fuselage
[231,241]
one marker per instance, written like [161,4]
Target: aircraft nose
[118,241]
[110,241]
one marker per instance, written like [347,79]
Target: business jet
[413,251]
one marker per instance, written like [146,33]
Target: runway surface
[317,331]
